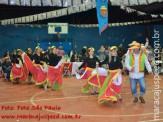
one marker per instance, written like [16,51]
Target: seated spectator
[6,66]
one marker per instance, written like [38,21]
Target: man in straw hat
[134,42]
[135,62]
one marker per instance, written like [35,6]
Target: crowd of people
[103,72]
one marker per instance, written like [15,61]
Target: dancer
[111,88]
[92,62]
[19,70]
[54,70]
[38,68]
[29,53]
[135,63]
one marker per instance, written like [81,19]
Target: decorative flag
[102,14]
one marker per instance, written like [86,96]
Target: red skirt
[92,79]
[111,87]
[39,72]
[19,72]
[55,74]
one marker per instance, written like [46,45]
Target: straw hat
[133,42]
[135,46]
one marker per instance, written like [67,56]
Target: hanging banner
[64,12]
[25,2]
[14,2]
[67,3]
[4,1]
[102,14]
[16,20]
[57,2]
[70,10]
[134,2]
[143,2]
[36,3]
[12,21]
[31,18]
[82,8]
[19,20]
[59,13]
[23,19]
[46,3]
[54,13]
[76,9]
[35,17]
[102,11]
[49,15]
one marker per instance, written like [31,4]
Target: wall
[23,37]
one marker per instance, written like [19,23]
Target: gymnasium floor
[17,100]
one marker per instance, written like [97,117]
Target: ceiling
[88,17]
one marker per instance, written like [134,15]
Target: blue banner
[102,14]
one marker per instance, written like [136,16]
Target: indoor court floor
[17,101]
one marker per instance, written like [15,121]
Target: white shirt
[136,74]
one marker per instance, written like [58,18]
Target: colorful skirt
[20,72]
[92,79]
[55,74]
[111,86]
[39,72]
